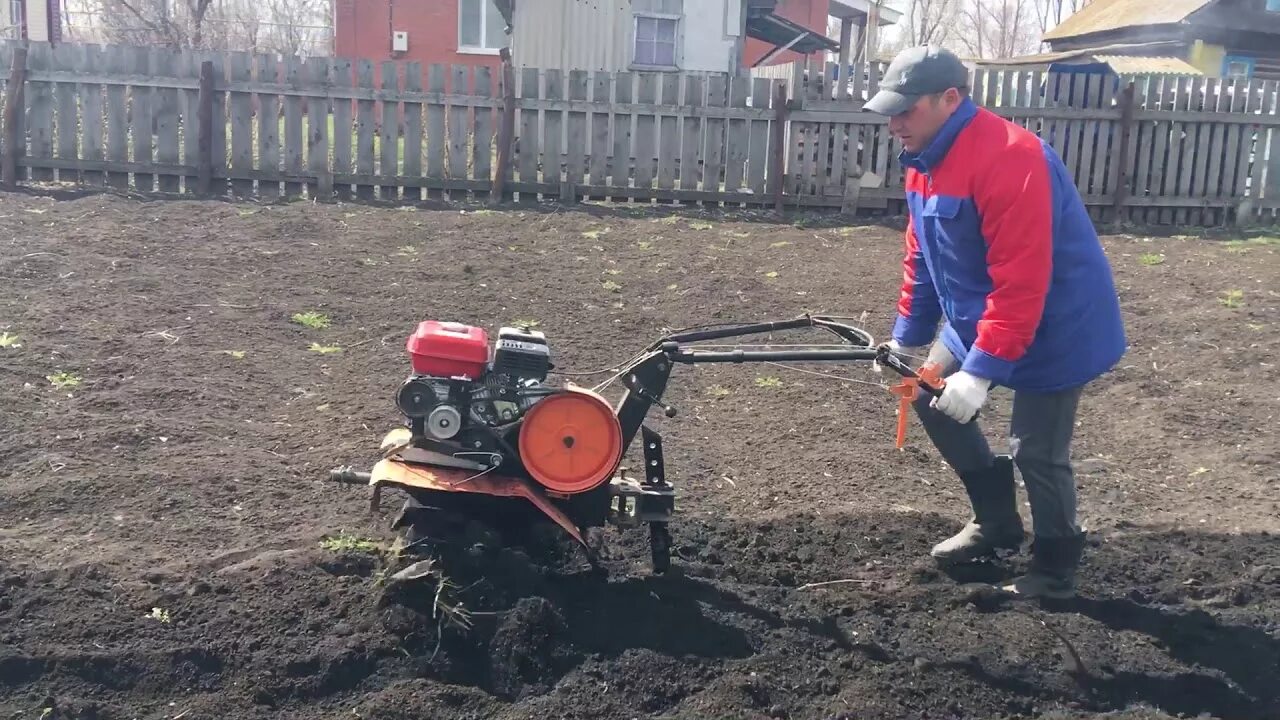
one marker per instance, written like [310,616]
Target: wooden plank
[1231,157]
[1160,152]
[1271,188]
[1192,91]
[142,121]
[1126,174]
[459,126]
[668,133]
[576,143]
[527,142]
[240,69]
[294,141]
[40,110]
[389,134]
[738,137]
[1148,89]
[691,127]
[435,128]
[117,118]
[92,120]
[646,141]
[1266,105]
[620,160]
[268,127]
[190,122]
[365,162]
[713,163]
[166,119]
[340,74]
[485,119]
[15,104]
[553,130]
[317,73]
[1205,98]
[412,131]
[67,56]
[218,139]
[758,133]
[778,141]
[600,96]
[991,85]
[1211,181]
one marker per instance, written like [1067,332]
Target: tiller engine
[486,435]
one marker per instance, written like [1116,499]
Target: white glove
[962,397]
[902,352]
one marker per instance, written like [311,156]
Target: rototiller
[486,435]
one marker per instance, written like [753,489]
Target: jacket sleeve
[918,307]
[1015,202]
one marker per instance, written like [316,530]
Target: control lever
[633,384]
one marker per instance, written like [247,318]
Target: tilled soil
[167,530]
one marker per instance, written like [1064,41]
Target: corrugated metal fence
[1151,149]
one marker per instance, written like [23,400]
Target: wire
[828,376]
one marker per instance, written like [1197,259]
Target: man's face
[917,127]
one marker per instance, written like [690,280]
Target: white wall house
[629,35]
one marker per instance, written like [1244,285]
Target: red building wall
[432,26]
[810,13]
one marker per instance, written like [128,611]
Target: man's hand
[906,354]
[962,397]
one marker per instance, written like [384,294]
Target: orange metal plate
[391,471]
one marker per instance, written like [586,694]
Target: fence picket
[691,125]
[389,135]
[483,151]
[646,139]
[600,149]
[669,134]
[40,113]
[435,131]
[459,84]
[268,129]
[553,122]
[343,127]
[117,118]
[240,69]
[758,132]
[620,162]
[93,122]
[68,111]
[412,162]
[528,140]
[737,138]
[366,163]
[293,133]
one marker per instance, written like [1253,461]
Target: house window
[1237,66]
[480,27]
[15,13]
[655,44]
[1273,5]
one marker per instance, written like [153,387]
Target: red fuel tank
[448,349]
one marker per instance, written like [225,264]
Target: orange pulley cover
[571,441]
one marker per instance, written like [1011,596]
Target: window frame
[678,20]
[464,49]
[1249,62]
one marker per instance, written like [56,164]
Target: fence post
[1123,173]
[204,117]
[15,100]
[779,170]
[506,129]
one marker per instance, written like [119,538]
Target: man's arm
[1015,201]
[918,307]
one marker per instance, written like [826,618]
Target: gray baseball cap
[914,73]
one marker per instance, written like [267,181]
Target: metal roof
[1138,65]
[779,32]
[1104,15]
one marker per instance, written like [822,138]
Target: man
[1000,249]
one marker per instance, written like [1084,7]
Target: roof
[862,8]
[1103,15]
[1114,50]
[1139,65]
[779,31]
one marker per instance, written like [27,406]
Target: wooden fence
[1148,149]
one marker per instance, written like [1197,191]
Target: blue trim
[988,366]
[1248,61]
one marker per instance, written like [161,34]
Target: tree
[1051,12]
[999,28]
[930,21]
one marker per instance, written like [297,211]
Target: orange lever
[909,390]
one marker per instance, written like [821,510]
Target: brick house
[448,32]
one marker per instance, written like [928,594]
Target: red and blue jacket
[1001,248]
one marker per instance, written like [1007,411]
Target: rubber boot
[995,525]
[1053,569]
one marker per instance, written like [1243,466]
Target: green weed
[63,380]
[324,349]
[1150,259]
[312,319]
[345,542]
[1232,299]
[9,341]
